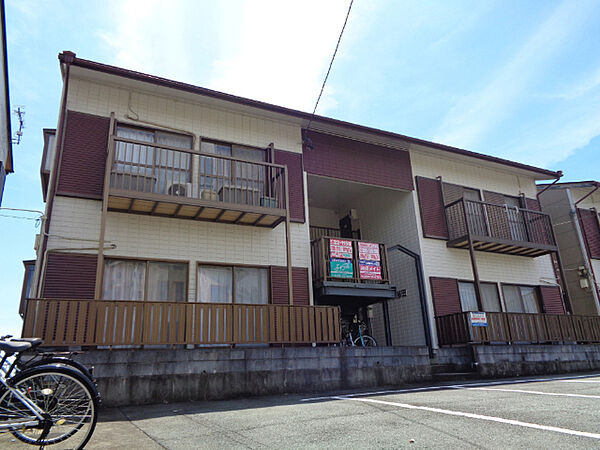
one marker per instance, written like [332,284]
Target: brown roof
[70,58]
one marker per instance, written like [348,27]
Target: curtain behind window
[251,285]
[172,167]
[123,280]
[167,282]
[512,298]
[132,158]
[489,297]
[530,302]
[468,299]
[215,284]
[214,172]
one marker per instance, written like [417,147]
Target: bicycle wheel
[368,341]
[63,393]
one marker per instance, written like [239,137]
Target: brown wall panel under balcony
[431,205]
[533,204]
[446,298]
[588,218]
[293,161]
[83,159]
[70,276]
[279,285]
[553,303]
[347,159]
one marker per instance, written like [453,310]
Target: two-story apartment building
[180,215]
[573,208]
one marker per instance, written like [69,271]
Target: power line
[330,64]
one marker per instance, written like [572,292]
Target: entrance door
[346,227]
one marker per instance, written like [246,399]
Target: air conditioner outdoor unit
[180,189]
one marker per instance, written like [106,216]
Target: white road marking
[570,378]
[477,416]
[532,392]
[579,381]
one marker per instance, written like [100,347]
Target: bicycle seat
[10,347]
[33,341]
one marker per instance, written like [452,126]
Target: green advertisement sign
[341,268]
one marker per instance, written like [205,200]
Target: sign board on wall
[368,251]
[341,268]
[340,248]
[369,270]
[478,319]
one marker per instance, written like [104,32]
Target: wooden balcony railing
[502,327]
[155,179]
[108,323]
[499,228]
[324,269]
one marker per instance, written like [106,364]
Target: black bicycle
[45,403]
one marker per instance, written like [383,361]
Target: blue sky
[519,80]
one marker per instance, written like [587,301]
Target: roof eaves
[69,57]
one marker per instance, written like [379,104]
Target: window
[232,181]
[144,280]
[489,296]
[225,284]
[521,299]
[151,168]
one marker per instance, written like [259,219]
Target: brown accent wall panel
[279,285]
[347,159]
[533,204]
[70,276]
[431,205]
[300,285]
[588,218]
[84,152]
[497,217]
[446,298]
[293,161]
[452,192]
[553,302]
[493,197]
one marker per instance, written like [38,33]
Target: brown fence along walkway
[518,328]
[106,323]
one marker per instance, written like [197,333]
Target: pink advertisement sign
[367,251]
[340,248]
[369,270]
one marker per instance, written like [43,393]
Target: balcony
[345,268]
[502,327]
[146,178]
[499,228]
[62,323]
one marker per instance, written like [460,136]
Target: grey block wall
[518,360]
[127,377]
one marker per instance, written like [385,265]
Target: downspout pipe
[421,283]
[596,186]
[560,175]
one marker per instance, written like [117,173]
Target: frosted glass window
[215,284]
[124,280]
[251,285]
[167,282]
[468,299]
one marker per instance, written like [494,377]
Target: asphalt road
[544,412]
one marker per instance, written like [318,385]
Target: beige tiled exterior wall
[440,261]
[194,117]
[139,236]
[389,218]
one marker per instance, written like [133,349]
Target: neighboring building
[178,201]
[6,159]
[574,211]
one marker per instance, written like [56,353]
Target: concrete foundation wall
[518,360]
[127,377]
